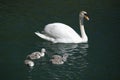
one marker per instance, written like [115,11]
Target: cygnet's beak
[86,17]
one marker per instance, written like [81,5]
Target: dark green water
[96,60]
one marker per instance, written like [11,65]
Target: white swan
[62,33]
[37,54]
[29,63]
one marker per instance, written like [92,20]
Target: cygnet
[57,59]
[37,54]
[29,63]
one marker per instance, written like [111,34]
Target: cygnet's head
[43,50]
[65,56]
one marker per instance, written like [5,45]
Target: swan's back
[61,31]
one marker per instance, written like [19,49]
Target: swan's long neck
[82,29]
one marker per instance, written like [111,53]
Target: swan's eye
[85,14]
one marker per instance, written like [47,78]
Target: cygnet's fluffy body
[57,59]
[37,54]
[29,63]
[34,55]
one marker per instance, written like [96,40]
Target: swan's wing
[44,36]
[62,33]
[60,30]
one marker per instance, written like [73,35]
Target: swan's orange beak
[87,17]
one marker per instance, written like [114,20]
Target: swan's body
[57,59]
[37,54]
[62,33]
[29,63]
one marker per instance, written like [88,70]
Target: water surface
[96,60]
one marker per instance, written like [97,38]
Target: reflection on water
[73,68]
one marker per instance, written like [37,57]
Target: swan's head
[84,14]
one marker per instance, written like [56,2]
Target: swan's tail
[45,37]
[38,33]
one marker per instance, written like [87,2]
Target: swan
[62,33]
[37,54]
[57,59]
[29,63]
